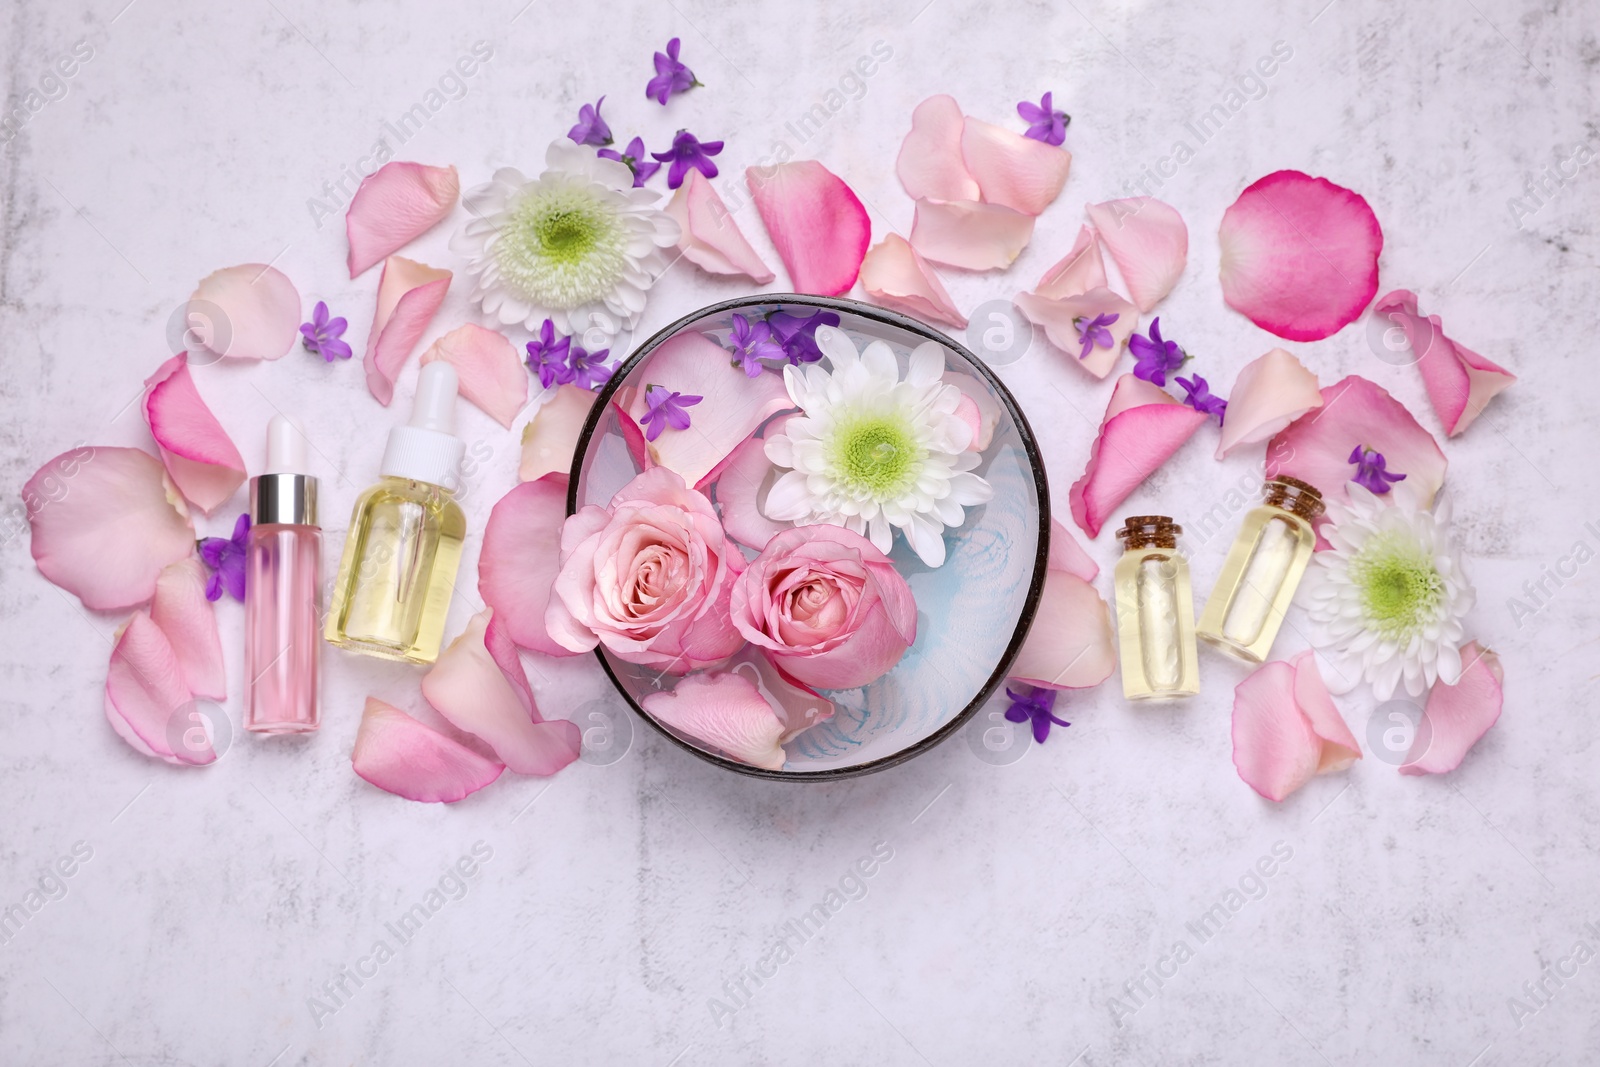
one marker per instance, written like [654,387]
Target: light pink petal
[519,559]
[1143,426]
[966,233]
[395,205]
[983,402]
[896,277]
[930,164]
[709,238]
[199,455]
[398,754]
[1269,394]
[189,621]
[408,295]
[741,491]
[1339,746]
[489,696]
[1066,554]
[551,437]
[1275,749]
[1458,715]
[1357,413]
[1299,255]
[798,707]
[487,368]
[817,224]
[727,712]
[1460,382]
[106,521]
[145,690]
[1057,317]
[251,311]
[1012,170]
[1079,271]
[732,408]
[1149,242]
[1069,645]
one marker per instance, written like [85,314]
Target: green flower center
[562,247]
[876,455]
[1401,588]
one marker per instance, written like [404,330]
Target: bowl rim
[1030,445]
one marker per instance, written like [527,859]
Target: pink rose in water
[829,608]
[648,577]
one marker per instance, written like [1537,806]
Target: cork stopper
[1294,496]
[1140,531]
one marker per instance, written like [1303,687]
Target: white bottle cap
[286,447]
[426,449]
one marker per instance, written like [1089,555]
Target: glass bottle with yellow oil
[1155,611]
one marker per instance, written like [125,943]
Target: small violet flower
[589,369]
[225,557]
[1199,397]
[321,336]
[798,334]
[688,151]
[591,128]
[671,76]
[547,357]
[1045,121]
[1370,473]
[752,342]
[1033,703]
[666,409]
[634,156]
[1155,356]
[1092,332]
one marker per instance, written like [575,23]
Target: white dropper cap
[286,446]
[426,449]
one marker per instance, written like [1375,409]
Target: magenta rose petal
[1062,320]
[198,454]
[930,164]
[145,688]
[1286,728]
[1143,427]
[818,225]
[1299,255]
[896,277]
[1460,382]
[969,234]
[550,438]
[487,367]
[1269,393]
[1458,715]
[251,311]
[408,295]
[1148,241]
[400,755]
[1012,170]
[1069,645]
[396,204]
[725,711]
[1079,271]
[189,621]
[709,238]
[518,562]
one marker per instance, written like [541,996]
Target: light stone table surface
[1027,912]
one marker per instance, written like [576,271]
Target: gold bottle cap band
[289,499]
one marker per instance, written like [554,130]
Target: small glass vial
[282,559]
[1262,571]
[398,570]
[1155,611]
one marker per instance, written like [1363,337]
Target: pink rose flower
[829,609]
[648,577]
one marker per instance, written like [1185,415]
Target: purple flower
[688,151]
[671,75]
[1155,356]
[547,357]
[1029,702]
[321,336]
[591,128]
[1045,121]
[1370,473]
[666,409]
[634,157]
[225,557]
[752,342]
[1200,397]
[798,334]
[1093,332]
[589,369]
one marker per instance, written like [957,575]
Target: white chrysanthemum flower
[871,452]
[1389,597]
[578,245]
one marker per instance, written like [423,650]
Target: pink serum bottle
[280,593]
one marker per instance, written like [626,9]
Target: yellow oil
[398,572]
[1155,624]
[1258,581]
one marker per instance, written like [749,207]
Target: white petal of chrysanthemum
[925,535]
[789,499]
[927,364]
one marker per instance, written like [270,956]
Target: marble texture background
[1022,906]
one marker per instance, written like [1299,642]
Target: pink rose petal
[1460,382]
[983,402]
[725,711]
[709,238]
[519,559]
[105,522]
[930,164]
[1012,170]
[741,491]
[1149,242]
[487,367]
[189,621]
[1286,728]
[396,204]
[798,707]
[1080,270]
[400,755]
[197,452]
[246,312]
[1299,255]
[551,437]
[896,277]
[1458,715]
[1057,317]
[1066,554]
[820,229]
[1070,643]
[965,233]
[145,689]
[408,295]
[1142,428]
[1269,394]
